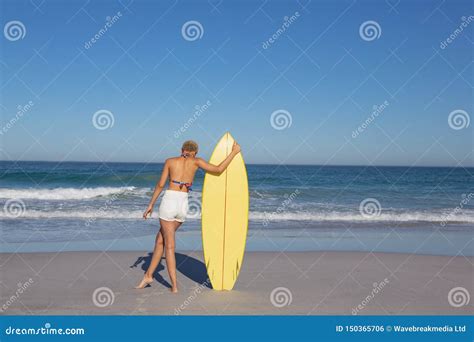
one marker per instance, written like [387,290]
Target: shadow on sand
[188,266]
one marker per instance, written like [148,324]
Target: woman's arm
[158,188]
[223,165]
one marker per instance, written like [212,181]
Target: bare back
[182,170]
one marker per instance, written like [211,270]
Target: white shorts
[174,206]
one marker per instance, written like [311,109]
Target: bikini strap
[181,184]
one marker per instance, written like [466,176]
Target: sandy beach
[270,283]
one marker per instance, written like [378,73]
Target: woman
[174,205]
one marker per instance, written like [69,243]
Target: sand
[302,283]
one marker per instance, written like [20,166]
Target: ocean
[98,206]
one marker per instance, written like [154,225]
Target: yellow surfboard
[225,208]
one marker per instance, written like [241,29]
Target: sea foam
[63,193]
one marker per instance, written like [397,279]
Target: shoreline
[270,283]
[380,240]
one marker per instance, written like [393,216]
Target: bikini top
[181,184]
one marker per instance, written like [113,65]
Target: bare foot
[174,290]
[145,281]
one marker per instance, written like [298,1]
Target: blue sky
[319,71]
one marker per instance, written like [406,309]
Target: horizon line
[257,164]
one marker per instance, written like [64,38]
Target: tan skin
[184,170]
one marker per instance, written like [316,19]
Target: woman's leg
[168,229]
[155,260]
[157,255]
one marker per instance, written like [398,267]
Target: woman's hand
[147,212]
[235,147]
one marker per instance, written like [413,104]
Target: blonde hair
[190,146]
